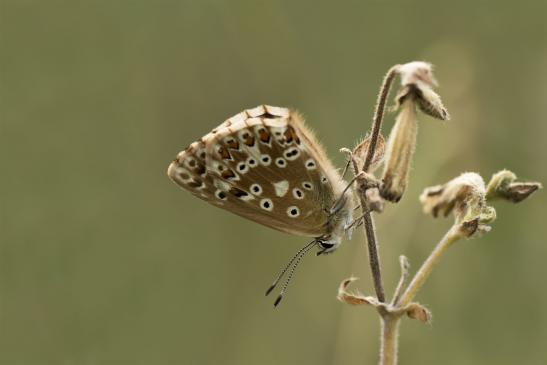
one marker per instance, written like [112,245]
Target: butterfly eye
[326,245]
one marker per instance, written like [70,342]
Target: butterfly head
[340,218]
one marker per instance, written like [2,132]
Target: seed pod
[399,151]
[416,92]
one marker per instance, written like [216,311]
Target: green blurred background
[104,261]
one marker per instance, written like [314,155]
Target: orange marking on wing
[223,152]
[248,139]
[290,135]
[233,144]
[264,135]
[228,174]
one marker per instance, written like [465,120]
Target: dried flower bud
[367,186]
[502,185]
[419,312]
[417,83]
[465,197]
[360,152]
[373,200]
[456,196]
[399,151]
[417,72]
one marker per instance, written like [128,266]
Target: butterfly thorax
[340,219]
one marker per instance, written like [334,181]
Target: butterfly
[265,165]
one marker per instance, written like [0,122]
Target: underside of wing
[265,165]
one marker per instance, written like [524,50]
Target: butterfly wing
[265,165]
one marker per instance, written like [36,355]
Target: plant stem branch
[390,321]
[403,261]
[423,273]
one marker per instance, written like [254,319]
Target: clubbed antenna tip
[272,287]
[279,297]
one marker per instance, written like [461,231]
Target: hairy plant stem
[453,234]
[379,114]
[373,257]
[367,217]
[390,339]
[372,247]
[390,321]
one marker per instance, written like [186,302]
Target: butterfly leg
[340,202]
[349,153]
[354,224]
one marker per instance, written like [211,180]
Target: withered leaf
[360,152]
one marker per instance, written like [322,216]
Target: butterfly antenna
[289,277]
[296,255]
